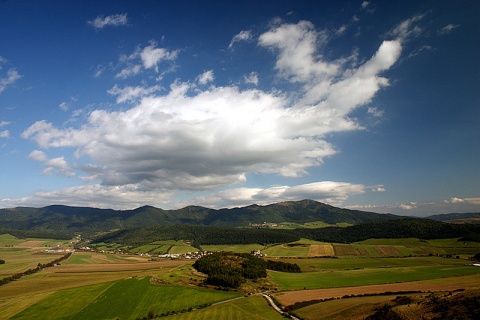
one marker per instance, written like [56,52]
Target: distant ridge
[67,219]
[88,220]
[470,217]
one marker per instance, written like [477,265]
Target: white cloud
[193,139]
[99,70]
[38,155]
[63,106]
[341,30]
[130,94]
[377,113]
[11,77]
[330,192]
[408,28]
[56,165]
[129,71]
[420,50]
[448,28]
[456,200]
[241,36]
[4,134]
[206,77]
[113,20]
[424,209]
[298,60]
[475,201]
[95,195]
[150,57]
[251,78]
[408,206]
[4,123]
[365,4]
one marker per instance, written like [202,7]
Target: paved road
[272,303]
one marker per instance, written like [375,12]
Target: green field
[241,248]
[251,308]
[128,299]
[286,250]
[367,276]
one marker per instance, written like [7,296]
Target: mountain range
[67,219]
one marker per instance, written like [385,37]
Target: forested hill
[92,220]
[203,235]
[457,217]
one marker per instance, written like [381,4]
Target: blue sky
[369,105]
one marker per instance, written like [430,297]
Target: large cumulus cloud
[195,138]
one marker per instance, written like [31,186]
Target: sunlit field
[108,285]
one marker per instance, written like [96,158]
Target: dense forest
[202,235]
[22,234]
[402,228]
[199,235]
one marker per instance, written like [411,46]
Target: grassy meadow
[104,285]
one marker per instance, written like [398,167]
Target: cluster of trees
[228,269]
[282,266]
[38,268]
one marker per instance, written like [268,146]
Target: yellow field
[321,250]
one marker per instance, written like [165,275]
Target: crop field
[444,284]
[242,248]
[157,247]
[341,309]
[94,285]
[368,276]
[128,299]
[24,254]
[288,250]
[251,308]
[374,248]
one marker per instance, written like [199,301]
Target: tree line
[204,235]
[38,268]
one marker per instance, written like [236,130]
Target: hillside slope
[92,220]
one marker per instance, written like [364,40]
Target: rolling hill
[68,219]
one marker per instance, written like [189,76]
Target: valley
[98,282]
